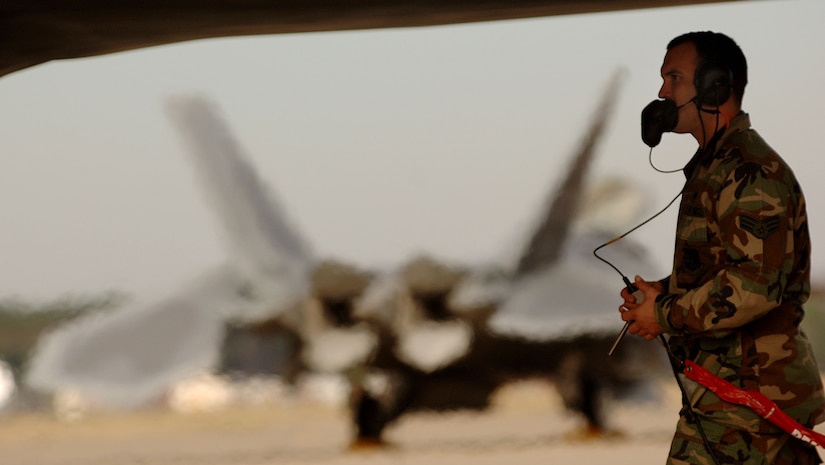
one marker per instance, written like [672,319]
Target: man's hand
[642,315]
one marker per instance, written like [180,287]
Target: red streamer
[757,401]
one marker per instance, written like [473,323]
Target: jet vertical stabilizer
[260,240]
[546,245]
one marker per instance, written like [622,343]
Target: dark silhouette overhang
[37,31]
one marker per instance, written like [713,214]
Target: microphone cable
[671,358]
[617,239]
[650,161]
[629,285]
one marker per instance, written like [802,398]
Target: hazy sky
[380,143]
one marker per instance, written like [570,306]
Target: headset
[713,84]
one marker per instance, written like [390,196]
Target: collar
[703,155]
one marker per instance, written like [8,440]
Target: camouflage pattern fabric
[734,446]
[741,275]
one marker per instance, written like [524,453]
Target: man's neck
[713,120]
[702,153]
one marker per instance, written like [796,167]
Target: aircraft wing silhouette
[131,356]
[34,32]
[576,296]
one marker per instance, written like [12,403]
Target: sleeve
[751,255]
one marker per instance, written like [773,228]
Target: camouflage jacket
[741,274]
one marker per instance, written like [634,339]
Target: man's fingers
[624,312]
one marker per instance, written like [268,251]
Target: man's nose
[663,93]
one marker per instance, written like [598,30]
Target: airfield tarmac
[525,425]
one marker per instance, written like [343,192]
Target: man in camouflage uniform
[741,270]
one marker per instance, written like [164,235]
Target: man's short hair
[720,50]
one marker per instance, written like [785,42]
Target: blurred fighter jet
[429,335]
[432,335]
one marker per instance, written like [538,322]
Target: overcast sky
[380,143]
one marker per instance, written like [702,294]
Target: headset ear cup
[713,84]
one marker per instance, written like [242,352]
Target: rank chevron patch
[760,228]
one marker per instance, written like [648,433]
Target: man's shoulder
[747,160]
[743,144]
[741,136]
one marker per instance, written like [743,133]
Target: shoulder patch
[760,228]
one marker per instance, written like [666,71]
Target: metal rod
[619,338]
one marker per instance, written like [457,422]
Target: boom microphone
[658,117]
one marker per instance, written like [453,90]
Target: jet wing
[34,32]
[577,296]
[131,356]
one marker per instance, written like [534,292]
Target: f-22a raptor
[427,335]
